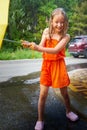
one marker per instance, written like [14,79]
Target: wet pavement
[18,107]
[19,96]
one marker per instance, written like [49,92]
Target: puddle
[32,81]
[76,66]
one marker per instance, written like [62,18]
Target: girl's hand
[25,44]
[30,45]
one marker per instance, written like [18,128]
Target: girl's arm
[57,48]
[34,46]
[44,36]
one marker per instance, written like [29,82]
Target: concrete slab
[78,90]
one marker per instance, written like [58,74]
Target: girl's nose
[60,24]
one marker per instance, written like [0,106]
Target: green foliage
[79,20]
[28,18]
[9,54]
[67,53]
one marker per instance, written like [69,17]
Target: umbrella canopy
[4,7]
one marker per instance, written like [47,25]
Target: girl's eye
[61,23]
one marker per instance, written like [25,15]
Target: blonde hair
[56,12]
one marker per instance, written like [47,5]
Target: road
[13,68]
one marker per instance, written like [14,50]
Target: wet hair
[56,12]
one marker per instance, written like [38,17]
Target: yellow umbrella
[4,7]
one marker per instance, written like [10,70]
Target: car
[78,46]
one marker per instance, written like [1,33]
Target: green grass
[21,54]
[67,53]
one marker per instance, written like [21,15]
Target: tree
[78,22]
[28,18]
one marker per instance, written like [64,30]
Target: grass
[67,53]
[21,54]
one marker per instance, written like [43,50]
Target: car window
[85,39]
[76,40]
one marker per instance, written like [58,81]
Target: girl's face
[58,23]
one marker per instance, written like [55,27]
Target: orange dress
[54,72]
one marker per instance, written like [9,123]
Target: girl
[53,72]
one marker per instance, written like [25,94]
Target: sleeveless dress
[54,72]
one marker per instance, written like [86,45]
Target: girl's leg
[41,105]
[65,95]
[69,114]
[41,101]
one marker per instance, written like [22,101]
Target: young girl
[53,72]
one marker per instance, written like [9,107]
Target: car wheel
[85,53]
[75,56]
